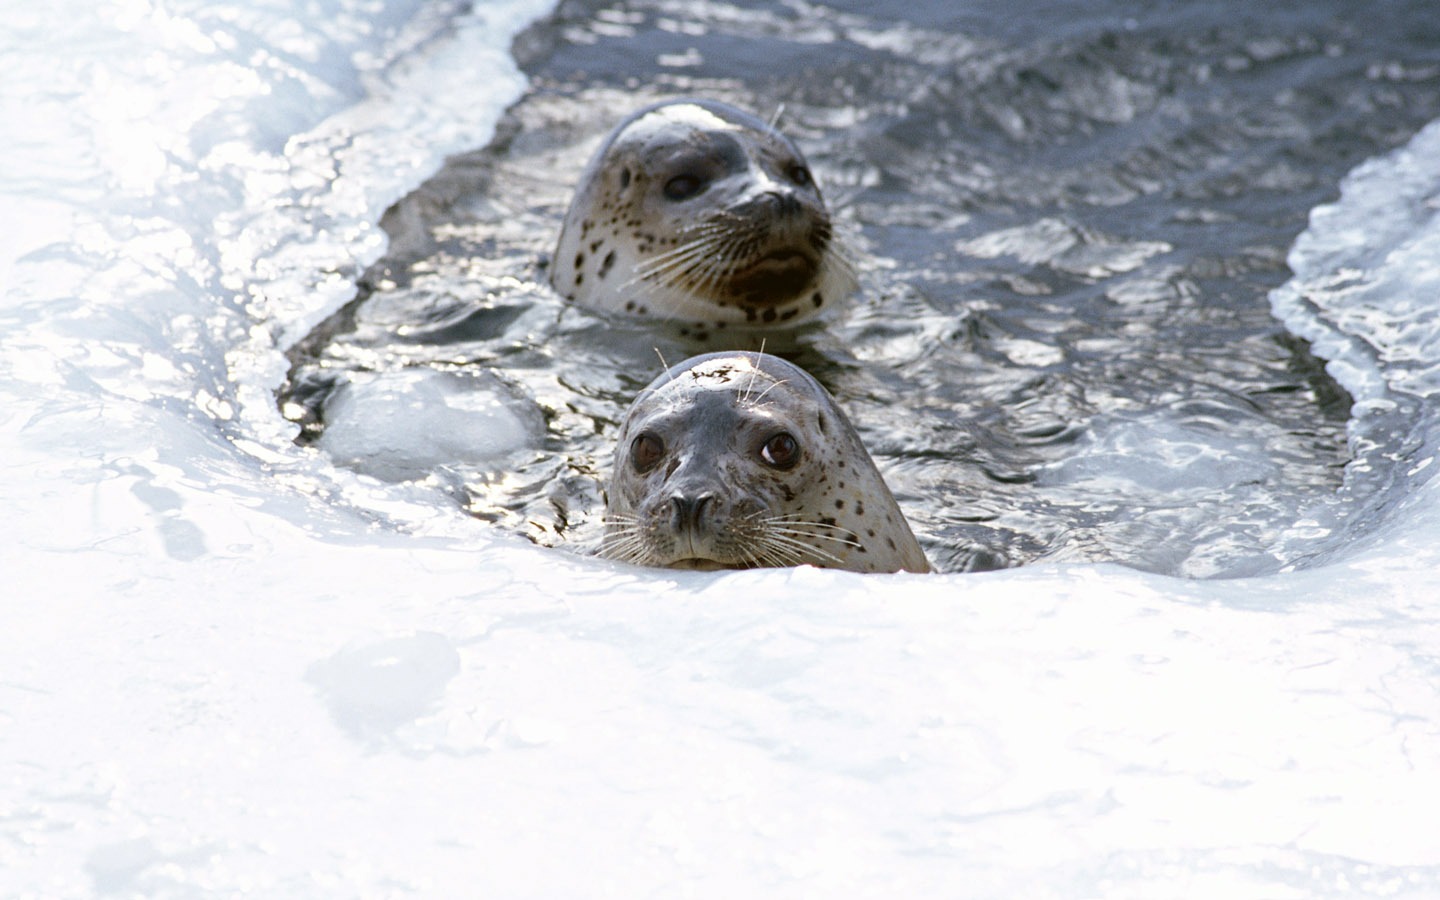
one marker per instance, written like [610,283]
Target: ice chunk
[400,426]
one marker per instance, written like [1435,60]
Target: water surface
[1068,224]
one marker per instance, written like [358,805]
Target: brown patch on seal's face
[777,265]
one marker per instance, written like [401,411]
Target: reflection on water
[1069,229]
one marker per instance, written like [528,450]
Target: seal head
[697,212]
[740,460]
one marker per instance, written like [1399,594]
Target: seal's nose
[785,203]
[773,202]
[689,512]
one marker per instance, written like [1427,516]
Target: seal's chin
[775,277]
[700,565]
[780,260]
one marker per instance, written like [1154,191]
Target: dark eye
[645,452]
[683,187]
[801,175]
[781,452]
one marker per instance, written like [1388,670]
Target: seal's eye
[781,452]
[683,187]
[645,452]
[800,174]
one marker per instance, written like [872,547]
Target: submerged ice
[230,666]
[402,426]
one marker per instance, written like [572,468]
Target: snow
[230,668]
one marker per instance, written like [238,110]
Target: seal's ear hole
[781,452]
[624,178]
[646,451]
[683,187]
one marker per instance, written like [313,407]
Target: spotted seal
[698,212]
[740,460]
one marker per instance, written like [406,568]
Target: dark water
[1068,215]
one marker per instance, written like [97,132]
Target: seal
[738,460]
[695,211]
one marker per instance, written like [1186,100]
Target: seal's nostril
[689,511]
[781,203]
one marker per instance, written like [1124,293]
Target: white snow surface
[231,668]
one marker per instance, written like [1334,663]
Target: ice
[401,425]
[1369,262]
[229,667]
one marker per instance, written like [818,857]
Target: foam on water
[231,667]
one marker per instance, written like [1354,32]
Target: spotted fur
[695,211]
[739,460]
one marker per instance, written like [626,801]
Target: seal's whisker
[660,260]
[700,269]
[664,269]
[799,549]
[797,524]
[819,535]
[619,536]
[615,532]
[629,549]
[804,537]
[797,535]
[750,555]
[798,519]
[624,539]
[744,399]
[707,271]
[769,555]
[715,271]
[799,552]
[640,289]
[691,247]
[769,559]
[773,386]
[703,265]
[619,552]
